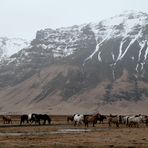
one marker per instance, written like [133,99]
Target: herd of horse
[86,119]
[29,119]
[130,121]
[36,118]
[79,119]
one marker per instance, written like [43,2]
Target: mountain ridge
[91,67]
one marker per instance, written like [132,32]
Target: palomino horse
[78,119]
[7,120]
[91,119]
[114,120]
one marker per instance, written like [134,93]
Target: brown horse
[114,120]
[70,118]
[7,120]
[91,119]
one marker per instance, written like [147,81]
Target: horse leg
[79,123]
[137,125]
[86,124]
[44,122]
[93,124]
[39,122]
[49,121]
[117,124]
[75,123]
[146,122]
[67,120]
[109,124]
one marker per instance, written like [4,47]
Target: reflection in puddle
[60,131]
[75,130]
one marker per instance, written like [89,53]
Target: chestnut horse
[91,119]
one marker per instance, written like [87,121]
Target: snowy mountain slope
[124,31]
[10,46]
[111,43]
[95,63]
[129,29]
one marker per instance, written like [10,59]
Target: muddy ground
[61,134]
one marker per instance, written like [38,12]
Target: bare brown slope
[21,98]
[25,97]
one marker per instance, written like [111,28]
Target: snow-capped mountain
[10,46]
[120,38]
[105,61]
[129,36]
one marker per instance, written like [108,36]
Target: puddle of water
[103,129]
[75,130]
[60,131]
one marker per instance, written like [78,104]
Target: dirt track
[60,134]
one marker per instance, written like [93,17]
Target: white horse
[135,120]
[125,120]
[78,119]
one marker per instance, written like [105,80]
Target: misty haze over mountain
[87,68]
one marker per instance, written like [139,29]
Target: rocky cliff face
[102,63]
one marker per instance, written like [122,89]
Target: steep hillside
[87,68]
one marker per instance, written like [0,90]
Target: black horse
[37,118]
[24,118]
[101,118]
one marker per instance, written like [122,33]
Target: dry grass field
[61,134]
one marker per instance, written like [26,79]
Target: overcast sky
[22,18]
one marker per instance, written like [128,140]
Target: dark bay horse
[37,118]
[24,118]
[70,118]
[7,119]
[91,119]
[101,118]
